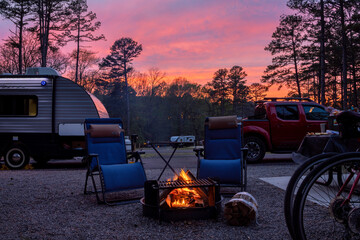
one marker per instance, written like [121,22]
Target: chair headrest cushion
[223,122]
[104,130]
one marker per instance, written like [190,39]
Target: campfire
[182,198]
[185,196]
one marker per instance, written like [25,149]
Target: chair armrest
[135,155]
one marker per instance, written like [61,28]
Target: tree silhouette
[332,26]
[180,96]
[311,7]
[17,11]
[9,61]
[219,89]
[122,53]
[257,91]
[237,86]
[50,20]
[286,45]
[156,77]
[82,23]
[84,62]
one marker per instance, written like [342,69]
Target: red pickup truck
[280,124]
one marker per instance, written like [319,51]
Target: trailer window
[18,105]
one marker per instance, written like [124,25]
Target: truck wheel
[16,157]
[256,149]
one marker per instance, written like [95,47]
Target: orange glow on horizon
[203,76]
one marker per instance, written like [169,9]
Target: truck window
[313,112]
[18,106]
[287,112]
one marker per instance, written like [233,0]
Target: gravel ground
[50,204]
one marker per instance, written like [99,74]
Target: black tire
[318,209]
[294,184]
[256,149]
[16,157]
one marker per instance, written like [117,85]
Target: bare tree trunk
[21,28]
[315,89]
[355,98]
[77,51]
[322,53]
[353,70]
[127,100]
[318,93]
[235,101]
[41,31]
[222,104]
[44,25]
[296,66]
[344,59]
[334,95]
[47,32]
[20,47]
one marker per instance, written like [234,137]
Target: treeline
[159,109]
[316,51]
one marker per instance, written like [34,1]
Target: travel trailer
[183,140]
[42,116]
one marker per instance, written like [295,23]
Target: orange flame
[182,197]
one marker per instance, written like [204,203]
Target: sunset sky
[190,38]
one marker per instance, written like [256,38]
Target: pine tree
[237,86]
[17,11]
[50,20]
[81,28]
[286,46]
[219,88]
[122,53]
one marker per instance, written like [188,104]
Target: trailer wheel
[16,157]
[256,149]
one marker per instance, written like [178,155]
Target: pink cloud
[191,38]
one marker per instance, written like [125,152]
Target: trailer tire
[256,149]
[16,157]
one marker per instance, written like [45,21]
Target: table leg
[167,163]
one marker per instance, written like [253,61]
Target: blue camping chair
[108,159]
[223,153]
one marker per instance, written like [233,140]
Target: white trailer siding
[73,104]
[29,86]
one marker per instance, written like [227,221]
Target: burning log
[200,191]
[186,196]
[164,194]
[241,210]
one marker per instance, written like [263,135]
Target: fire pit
[183,198]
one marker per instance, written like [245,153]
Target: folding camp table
[167,162]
